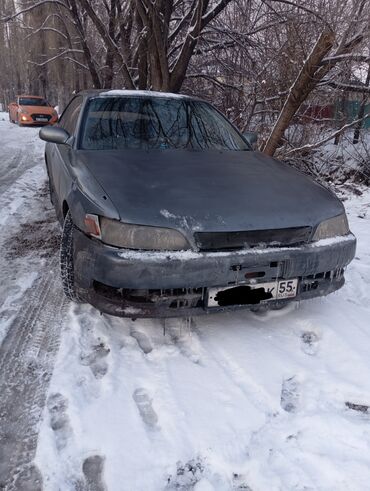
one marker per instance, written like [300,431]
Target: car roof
[136,93]
[31,96]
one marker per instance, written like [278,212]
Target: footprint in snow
[93,469]
[239,482]
[182,336]
[29,479]
[144,405]
[187,476]
[96,359]
[310,343]
[142,340]
[57,406]
[289,399]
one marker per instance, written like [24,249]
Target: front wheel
[66,260]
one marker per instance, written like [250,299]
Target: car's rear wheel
[66,260]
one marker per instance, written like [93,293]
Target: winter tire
[66,259]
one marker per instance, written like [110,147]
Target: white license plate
[42,119]
[279,290]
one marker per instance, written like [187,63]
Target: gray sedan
[168,211]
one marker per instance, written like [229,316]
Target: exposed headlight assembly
[333,227]
[118,234]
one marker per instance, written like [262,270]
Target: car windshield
[33,101]
[157,123]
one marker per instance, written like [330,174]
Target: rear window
[33,101]
[156,123]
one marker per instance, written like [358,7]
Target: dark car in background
[168,211]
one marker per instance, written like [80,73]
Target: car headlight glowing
[333,227]
[118,234]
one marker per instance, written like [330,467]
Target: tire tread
[66,260]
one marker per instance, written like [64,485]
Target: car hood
[209,190]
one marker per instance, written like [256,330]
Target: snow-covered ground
[262,402]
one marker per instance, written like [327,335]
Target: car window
[70,115]
[150,122]
[33,101]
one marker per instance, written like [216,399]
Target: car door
[58,160]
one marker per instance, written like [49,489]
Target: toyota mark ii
[167,210]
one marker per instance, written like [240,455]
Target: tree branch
[32,7]
[108,41]
[328,138]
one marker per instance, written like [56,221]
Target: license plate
[279,290]
[42,119]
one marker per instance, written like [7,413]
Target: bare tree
[243,55]
[307,79]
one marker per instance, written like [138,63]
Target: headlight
[120,234]
[332,227]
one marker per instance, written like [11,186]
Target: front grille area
[35,116]
[223,241]
[313,281]
[172,298]
[168,301]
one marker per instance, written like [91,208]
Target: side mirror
[54,135]
[251,138]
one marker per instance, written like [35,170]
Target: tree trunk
[301,88]
[88,57]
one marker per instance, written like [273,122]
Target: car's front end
[37,116]
[35,111]
[163,283]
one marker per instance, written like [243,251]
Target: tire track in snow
[18,165]
[252,390]
[20,194]
[26,363]
[33,308]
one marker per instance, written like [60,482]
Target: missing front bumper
[136,284]
[183,302]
